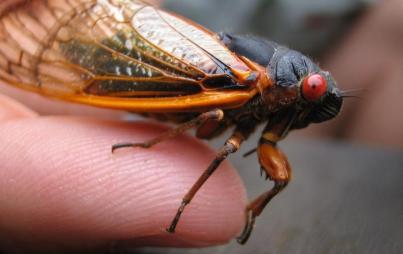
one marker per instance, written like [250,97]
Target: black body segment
[287,67]
[291,67]
[256,49]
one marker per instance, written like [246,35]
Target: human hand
[63,189]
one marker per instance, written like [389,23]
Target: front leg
[275,164]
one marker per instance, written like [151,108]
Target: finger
[49,106]
[61,185]
[11,109]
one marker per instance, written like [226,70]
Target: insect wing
[119,54]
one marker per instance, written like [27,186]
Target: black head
[317,97]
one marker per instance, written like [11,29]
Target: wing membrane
[124,50]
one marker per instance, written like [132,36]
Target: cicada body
[130,55]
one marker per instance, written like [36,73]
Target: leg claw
[247,231]
[170,230]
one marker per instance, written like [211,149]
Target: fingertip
[72,185]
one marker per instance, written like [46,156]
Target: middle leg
[230,146]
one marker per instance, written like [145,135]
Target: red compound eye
[314,87]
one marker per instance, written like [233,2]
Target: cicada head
[310,91]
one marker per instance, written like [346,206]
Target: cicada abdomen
[113,49]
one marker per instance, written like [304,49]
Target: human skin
[63,189]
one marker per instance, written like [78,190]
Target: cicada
[133,56]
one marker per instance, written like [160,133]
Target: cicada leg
[216,115]
[277,168]
[230,146]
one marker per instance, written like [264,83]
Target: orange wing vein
[117,54]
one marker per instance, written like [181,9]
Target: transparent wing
[118,49]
